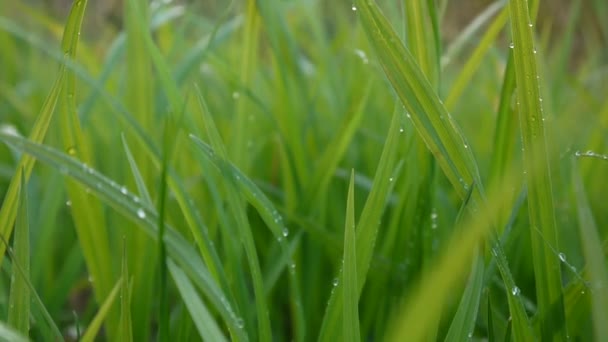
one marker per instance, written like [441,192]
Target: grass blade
[203,319]
[349,274]
[595,257]
[101,315]
[19,298]
[538,175]
[126,326]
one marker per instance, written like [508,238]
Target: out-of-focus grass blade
[429,116]
[133,207]
[349,273]
[595,257]
[238,209]
[203,319]
[463,323]
[19,298]
[99,318]
[366,231]
[8,334]
[126,326]
[538,176]
[139,180]
[474,62]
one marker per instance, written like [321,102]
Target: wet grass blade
[208,328]
[349,273]
[124,202]
[595,257]
[19,298]
[537,175]
[95,325]
[425,109]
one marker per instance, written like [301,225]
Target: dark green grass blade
[19,297]
[203,319]
[133,208]
[349,273]
[538,176]
[595,257]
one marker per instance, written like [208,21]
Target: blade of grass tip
[137,176]
[366,231]
[9,334]
[239,211]
[543,231]
[594,255]
[126,326]
[429,116]
[95,325]
[206,325]
[349,275]
[19,297]
[132,207]
[163,314]
[87,213]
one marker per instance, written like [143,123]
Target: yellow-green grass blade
[234,199]
[349,274]
[19,297]
[537,175]
[131,206]
[206,325]
[429,116]
[594,256]
[366,232]
[420,38]
[104,310]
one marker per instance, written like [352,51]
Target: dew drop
[401,130]
[354,8]
[285,232]
[511,46]
[68,203]
[515,291]
[240,323]
[391,179]
[562,257]
[141,213]
[72,151]
[123,190]
[335,282]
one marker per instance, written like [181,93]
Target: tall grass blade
[19,297]
[595,257]
[349,273]
[538,176]
[126,325]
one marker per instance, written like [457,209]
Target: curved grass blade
[133,208]
[429,116]
[19,297]
[538,176]
[95,325]
[349,275]
[203,319]
[595,257]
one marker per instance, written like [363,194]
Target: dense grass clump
[303,170]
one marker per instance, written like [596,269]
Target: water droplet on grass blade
[123,190]
[335,282]
[141,213]
[511,46]
[515,291]
[562,257]
[285,232]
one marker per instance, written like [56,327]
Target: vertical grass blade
[126,326]
[595,257]
[349,273]
[19,298]
[538,176]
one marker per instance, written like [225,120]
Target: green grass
[303,170]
